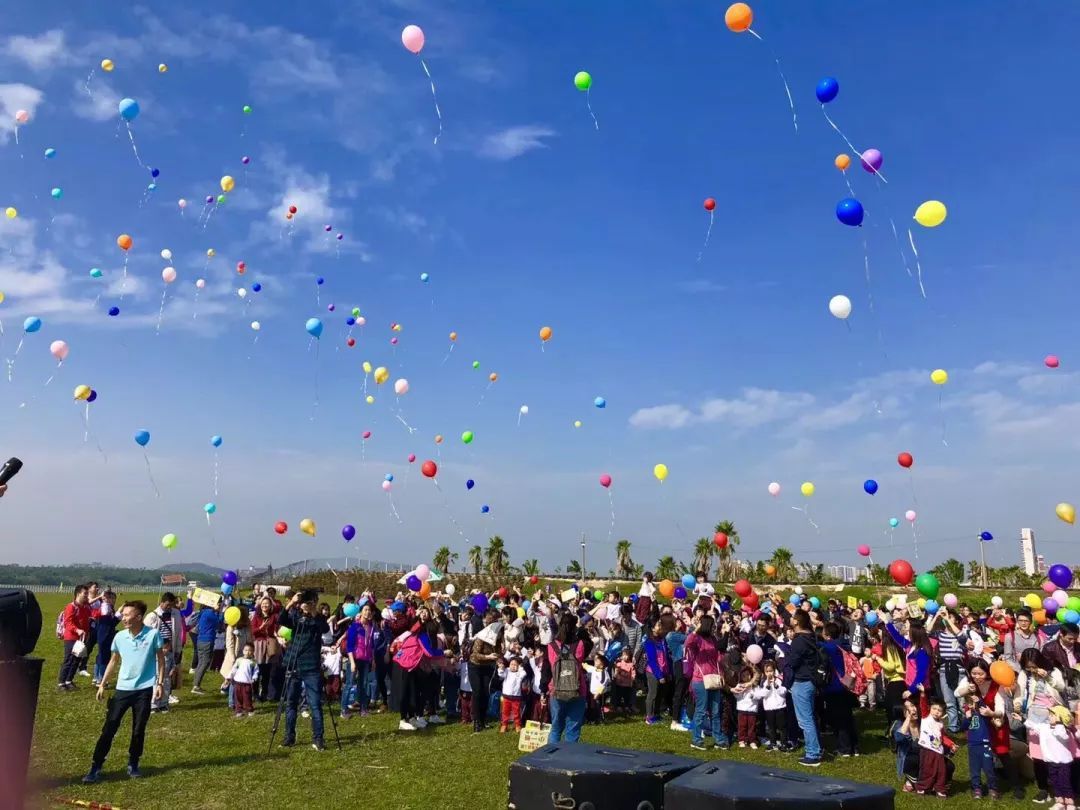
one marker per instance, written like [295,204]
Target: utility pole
[583,556]
[983,583]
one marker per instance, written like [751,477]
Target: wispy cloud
[754,407]
[46,50]
[15,97]
[513,142]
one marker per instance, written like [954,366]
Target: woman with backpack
[804,665]
[562,681]
[846,676]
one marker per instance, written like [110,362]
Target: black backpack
[824,671]
[565,675]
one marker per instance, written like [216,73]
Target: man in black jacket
[802,663]
[303,665]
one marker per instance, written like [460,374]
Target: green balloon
[220,199]
[285,633]
[582,81]
[467,437]
[927,584]
[1073,603]
[247,109]
[476,364]
[356,312]
[598,594]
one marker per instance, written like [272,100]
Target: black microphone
[9,470]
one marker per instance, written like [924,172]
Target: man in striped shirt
[945,627]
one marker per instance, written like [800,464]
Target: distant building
[1041,565]
[173,579]
[844,573]
[1027,552]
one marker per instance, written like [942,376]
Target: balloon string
[161,311]
[216,477]
[903,256]
[520,414]
[941,412]
[123,280]
[484,393]
[806,512]
[393,509]
[87,434]
[408,427]
[449,514]
[851,146]
[918,264]
[780,70]
[86,86]
[588,106]
[851,191]
[611,528]
[131,137]
[315,404]
[195,305]
[434,98]
[150,475]
[915,537]
[708,233]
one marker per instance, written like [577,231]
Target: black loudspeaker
[729,785]
[20,679]
[20,623]
[577,776]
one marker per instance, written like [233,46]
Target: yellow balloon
[577,423]
[397,327]
[162,68]
[82,391]
[210,253]
[931,214]
[232,615]
[169,541]
[370,400]
[228,183]
[939,376]
[807,489]
[307,526]
[107,65]
[382,374]
[1032,601]
[1066,511]
[1,298]
[660,471]
[367,367]
[10,212]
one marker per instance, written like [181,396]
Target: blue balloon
[725,606]
[634,598]
[689,581]
[142,437]
[92,397]
[413,583]
[894,522]
[389,477]
[314,327]
[424,277]
[95,272]
[57,193]
[210,508]
[680,593]
[795,599]
[526,605]
[256,287]
[114,311]
[871,619]
[226,588]
[986,537]
[31,324]
[470,484]
[1071,617]
[352,610]
[870,485]
[350,321]
[485,508]
[216,441]
[50,153]
[850,212]
[827,89]
[320,280]
[815,603]
[129,109]
[600,402]
[155,172]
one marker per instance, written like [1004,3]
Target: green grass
[198,756]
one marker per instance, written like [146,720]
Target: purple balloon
[328,228]
[413,583]
[245,160]
[93,396]
[331,307]
[209,199]
[229,578]
[1050,605]
[1060,575]
[340,236]
[680,593]
[872,160]
[348,532]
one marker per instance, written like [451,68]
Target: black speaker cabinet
[578,776]
[20,679]
[725,785]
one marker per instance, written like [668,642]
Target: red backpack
[853,679]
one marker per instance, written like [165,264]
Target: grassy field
[198,756]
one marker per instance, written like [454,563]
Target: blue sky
[730,369]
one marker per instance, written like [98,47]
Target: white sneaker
[405,725]
[419,722]
[435,720]
[84,673]
[305,714]
[173,700]
[678,726]
[191,671]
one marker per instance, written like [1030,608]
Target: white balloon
[166,254]
[256,325]
[798,589]
[242,292]
[168,275]
[774,489]
[996,602]
[450,589]
[401,387]
[1060,596]
[524,409]
[840,306]
[200,283]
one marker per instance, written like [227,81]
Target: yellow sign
[852,602]
[533,736]
[201,596]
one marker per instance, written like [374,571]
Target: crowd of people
[784,677]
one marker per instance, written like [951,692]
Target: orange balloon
[124,241]
[493,376]
[1002,674]
[842,162]
[666,588]
[438,438]
[545,333]
[425,590]
[770,570]
[738,17]
[1039,617]
[453,336]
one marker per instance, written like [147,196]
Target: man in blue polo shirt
[137,653]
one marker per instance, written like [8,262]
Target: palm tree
[666,568]
[703,552]
[497,558]
[726,570]
[817,574]
[531,568]
[624,566]
[574,569]
[638,571]
[444,558]
[784,562]
[476,559]
[949,572]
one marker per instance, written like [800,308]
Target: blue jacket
[837,658]
[656,659]
[675,643]
[208,625]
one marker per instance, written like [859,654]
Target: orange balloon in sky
[438,438]
[124,241]
[453,336]
[738,17]
[545,333]
[493,376]
[842,162]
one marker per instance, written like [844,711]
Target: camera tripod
[290,673]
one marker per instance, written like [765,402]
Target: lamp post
[583,556]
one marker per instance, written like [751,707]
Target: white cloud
[513,142]
[44,51]
[98,103]
[755,407]
[15,97]
[671,417]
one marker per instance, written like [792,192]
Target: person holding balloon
[208,622]
[918,655]
[237,635]
[1040,688]
[264,628]
[988,699]
[360,649]
[943,627]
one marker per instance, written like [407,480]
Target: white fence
[69,589]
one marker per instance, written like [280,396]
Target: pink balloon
[864,550]
[182,202]
[22,116]
[910,515]
[200,283]
[412,457]
[412,37]
[367,434]
[754,654]
[1049,587]
[168,275]
[1052,361]
[774,489]
[361,321]
[950,600]
[393,341]
[386,486]
[59,350]
[605,480]
[423,572]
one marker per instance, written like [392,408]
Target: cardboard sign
[201,596]
[533,736]
[568,595]
[852,602]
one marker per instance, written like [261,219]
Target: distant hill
[191,569]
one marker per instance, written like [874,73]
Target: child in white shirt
[933,771]
[243,675]
[464,692]
[748,697]
[513,686]
[774,703]
[1058,748]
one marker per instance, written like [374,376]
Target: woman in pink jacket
[413,648]
[703,661]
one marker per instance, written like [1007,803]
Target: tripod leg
[330,710]
[280,708]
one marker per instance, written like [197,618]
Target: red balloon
[905,460]
[901,572]
[709,203]
[605,480]
[751,601]
[429,468]
[534,579]
[292,209]
[743,588]
[350,342]
[367,434]
[281,527]
[720,539]
[241,267]
[503,592]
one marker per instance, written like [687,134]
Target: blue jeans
[981,761]
[708,700]
[311,683]
[451,682]
[348,683]
[363,691]
[952,703]
[566,719]
[802,692]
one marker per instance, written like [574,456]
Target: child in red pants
[465,693]
[933,768]
[514,685]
